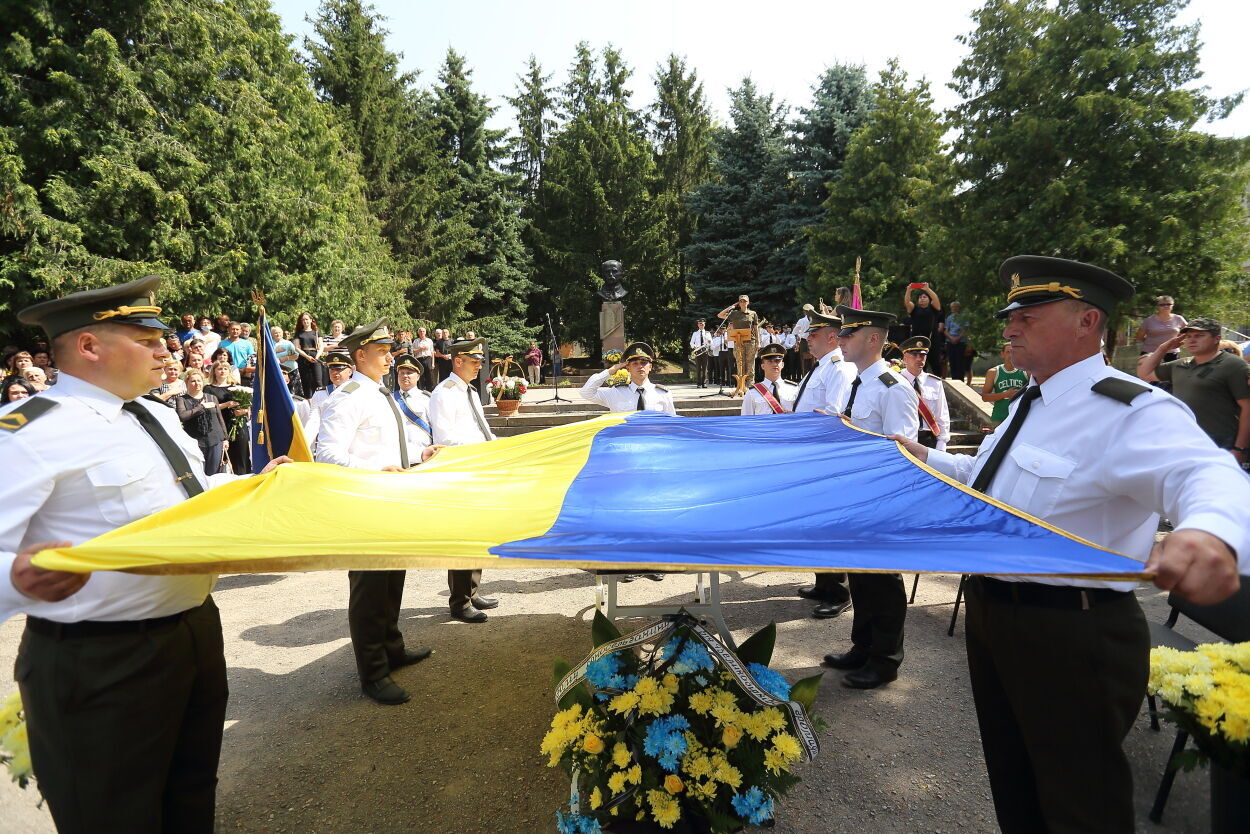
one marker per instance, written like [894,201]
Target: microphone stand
[554,349]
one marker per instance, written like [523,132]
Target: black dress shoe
[385,691]
[627,577]
[654,577]
[829,610]
[469,614]
[485,603]
[846,660]
[411,656]
[870,677]
[816,592]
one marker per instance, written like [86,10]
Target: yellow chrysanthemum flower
[788,746]
[664,808]
[774,761]
[634,775]
[656,703]
[620,755]
[616,782]
[623,703]
[696,766]
[700,703]
[596,798]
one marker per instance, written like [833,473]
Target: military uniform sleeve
[1199,488]
[669,408]
[899,412]
[26,486]
[943,418]
[591,390]
[339,421]
[1164,371]
[837,389]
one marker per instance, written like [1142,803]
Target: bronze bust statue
[613,281]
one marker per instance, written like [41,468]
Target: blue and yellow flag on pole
[276,428]
[791,492]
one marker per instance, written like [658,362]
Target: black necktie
[986,476]
[642,399]
[477,415]
[177,460]
[803,386]
[399,421]
[846,412]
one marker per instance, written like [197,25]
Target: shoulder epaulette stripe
[350,387]
[888,379]
[1120,390]
[27,413]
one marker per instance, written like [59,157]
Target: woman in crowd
[331,341]
[309,345]
[16,389]
[18,362]
[209,336]
[174,345]
[924,315]
[200,413]
[1161,327]
[171,383]
[193,356]
[224,382]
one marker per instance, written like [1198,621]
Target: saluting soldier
[457,418]
[641,394]
[746,321]
[1059,665]
[825,387]
[773,395]
[123,677]
[880,402]
[362,428]
[935,414]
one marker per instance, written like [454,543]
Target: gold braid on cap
[126,311]
[1052,287]
[847,325]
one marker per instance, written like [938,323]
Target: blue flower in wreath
[574,823]
[773,682]
[665,741]
[694,657]
[753,805]
[600,672]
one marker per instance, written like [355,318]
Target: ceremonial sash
[769,398]
[925,413]
[410,414]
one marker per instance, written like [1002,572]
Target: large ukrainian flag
[643,490]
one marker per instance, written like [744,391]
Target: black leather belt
[1047,596]
[99,628]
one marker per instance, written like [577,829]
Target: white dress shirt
[452,412]
[801,328]
[699,338]
[884,408]
[360,428]
[418,402]
[718,344]
[753,403]
[934,393]
[423,348]
[1093,466]
[82,469]
[828,385]
[625,397]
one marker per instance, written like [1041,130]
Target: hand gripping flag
[642,490]
[276,428]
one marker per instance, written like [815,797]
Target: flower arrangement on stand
[668,729]
[1206,692]
[14,746]
[507,391]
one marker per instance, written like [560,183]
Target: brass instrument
[699,351]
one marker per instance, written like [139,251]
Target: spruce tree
[736,245]
[177,137]
[1076,140]
[500,261]
[535,109]
[880,208]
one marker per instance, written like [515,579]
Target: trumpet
[700,351]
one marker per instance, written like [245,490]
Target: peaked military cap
[853,319]
[407,360]
[130,303]
[338,357]
[638,350]
[1036,279]
[772,351]
[817,319]
[469,347]
[915,343]
[374,333]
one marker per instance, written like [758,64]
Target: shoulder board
[661,388]
[26,413]
[298,398]
[1119,389]
[350,387]
[888,379]
[449,383]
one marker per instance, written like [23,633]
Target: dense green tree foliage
[176,137]
[881,206]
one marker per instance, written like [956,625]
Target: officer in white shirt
[340,369]
[640,394]
[362,428]
[883,403]
[935,425]
[122,676]
[414,404]
[457,418]
[1059,666]
[772,395]
[717,364]
[700,344]
[824,388]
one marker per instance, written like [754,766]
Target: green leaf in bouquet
[576,695]
[603,630]
[804,692]
[758,648]
[559,669]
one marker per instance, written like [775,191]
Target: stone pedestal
[612,328]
